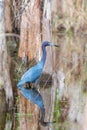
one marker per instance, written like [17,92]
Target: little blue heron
[35,97]
[32,75]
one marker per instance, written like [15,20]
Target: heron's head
[47,43]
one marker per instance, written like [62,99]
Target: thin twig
[10,34]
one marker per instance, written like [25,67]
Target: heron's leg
[32,85]
[36,85]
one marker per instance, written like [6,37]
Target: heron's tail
[42,119]
[19,86]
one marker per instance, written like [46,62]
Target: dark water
[11,120]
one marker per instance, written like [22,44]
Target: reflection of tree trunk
[2,120]
[30,47]
[85,118]
[4,66]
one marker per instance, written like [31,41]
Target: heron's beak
[52,44]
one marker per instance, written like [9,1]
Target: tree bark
[8,24]
[5,81]
[30,45]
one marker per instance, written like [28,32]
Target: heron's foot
[37,88]
[32,85]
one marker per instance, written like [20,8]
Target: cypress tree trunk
[8,24]
[30,47]
[4,66]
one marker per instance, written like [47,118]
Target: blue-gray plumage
[34,96]
[32,75]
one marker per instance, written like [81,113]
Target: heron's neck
[43,59]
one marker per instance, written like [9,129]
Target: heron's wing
[31,75]
[34,96]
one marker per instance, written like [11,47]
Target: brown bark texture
[30,44]
[8,22]
[30,31]
[5,81]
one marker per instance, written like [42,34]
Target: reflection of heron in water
[31,76]
[34,96]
